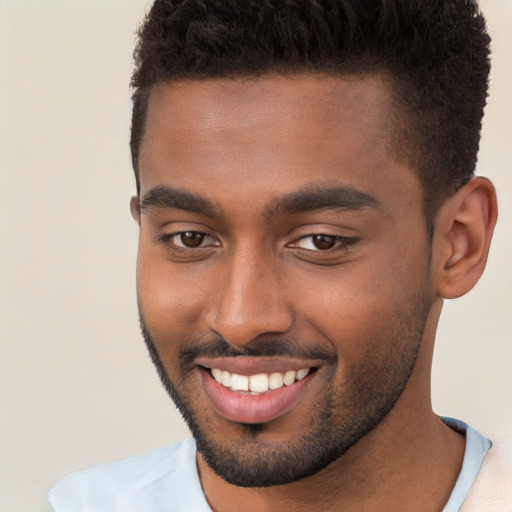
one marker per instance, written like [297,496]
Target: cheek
[358,306]
[170,299]
[349,292]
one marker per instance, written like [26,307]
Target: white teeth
[217,374]
[226,379]
[239,382]
[302,373]
[289,377]
[259,383]
[275,381]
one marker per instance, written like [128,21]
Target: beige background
[77,387]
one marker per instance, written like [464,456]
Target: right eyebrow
[169,198]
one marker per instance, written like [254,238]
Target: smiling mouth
[258,383]
[255,391]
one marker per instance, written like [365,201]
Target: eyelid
[341,242]
[167,239]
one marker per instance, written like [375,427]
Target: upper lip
[253,365]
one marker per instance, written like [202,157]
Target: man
[306,200]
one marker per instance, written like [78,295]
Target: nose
[249,299]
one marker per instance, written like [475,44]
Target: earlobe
[462,237]
[135,208]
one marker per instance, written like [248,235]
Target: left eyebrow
[323,197]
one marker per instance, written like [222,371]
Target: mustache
[259,347]
[262,346]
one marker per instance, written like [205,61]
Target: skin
[257,279]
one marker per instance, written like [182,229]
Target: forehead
[270,135]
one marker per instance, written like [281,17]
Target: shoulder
[127,484]
[492,489]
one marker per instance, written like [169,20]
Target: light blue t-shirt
[166,480]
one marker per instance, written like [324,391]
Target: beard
[343,413]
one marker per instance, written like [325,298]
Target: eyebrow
[308,199]
[323,197]
[170,198]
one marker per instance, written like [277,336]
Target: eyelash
[341,243]
[167,240]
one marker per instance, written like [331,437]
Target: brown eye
[192,238]
[323,242]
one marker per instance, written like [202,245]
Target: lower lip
[245,408]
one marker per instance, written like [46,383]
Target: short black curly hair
[436,51]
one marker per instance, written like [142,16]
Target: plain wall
[76,385]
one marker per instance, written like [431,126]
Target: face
[283,267]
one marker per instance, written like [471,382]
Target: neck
[410,461]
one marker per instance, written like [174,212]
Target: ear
[462,236]
[135,208]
